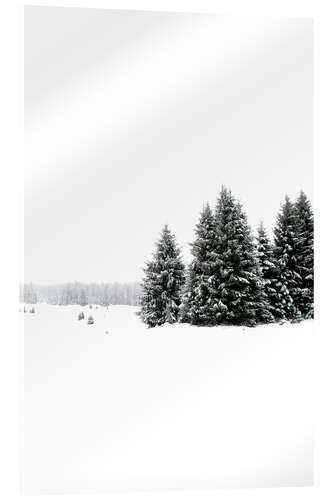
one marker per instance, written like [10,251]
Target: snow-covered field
[171,407]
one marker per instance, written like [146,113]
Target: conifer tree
[187,294]
[163,282]
[199,292]
[304,232]
[239,288]
[268,269]
[288,282]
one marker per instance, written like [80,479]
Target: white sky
[135,119]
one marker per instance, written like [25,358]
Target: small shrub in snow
[90,306]
[32,310]
[80,316]
[90,320]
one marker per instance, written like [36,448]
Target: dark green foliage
[268,267]
[187,295]
[288,278]
[163,282]
[197,300]
[305,255]
[239,296]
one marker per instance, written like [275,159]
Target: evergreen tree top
[166,246]
[303,199]
[263,240]
[285,221]
[167,253]
[304,211]
[262,236]
[261,229]
[224,200]
[205,234]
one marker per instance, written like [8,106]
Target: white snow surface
[171,407]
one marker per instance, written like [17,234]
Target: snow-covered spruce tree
[239,289]
[268,269]
[288,282]
[197,299]
[305,255]
[187,294]
[163,282]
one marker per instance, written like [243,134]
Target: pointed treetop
[224,196]
[261,227]
[206,209]
[303,202]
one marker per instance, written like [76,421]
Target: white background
[11,184]
[128,109]
[178,407]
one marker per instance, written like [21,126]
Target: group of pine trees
[234,278]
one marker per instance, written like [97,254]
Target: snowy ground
[171,407]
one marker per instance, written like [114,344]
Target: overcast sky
[135,119]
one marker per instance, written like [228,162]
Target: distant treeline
[83,294]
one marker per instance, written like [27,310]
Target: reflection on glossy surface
[134,120]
